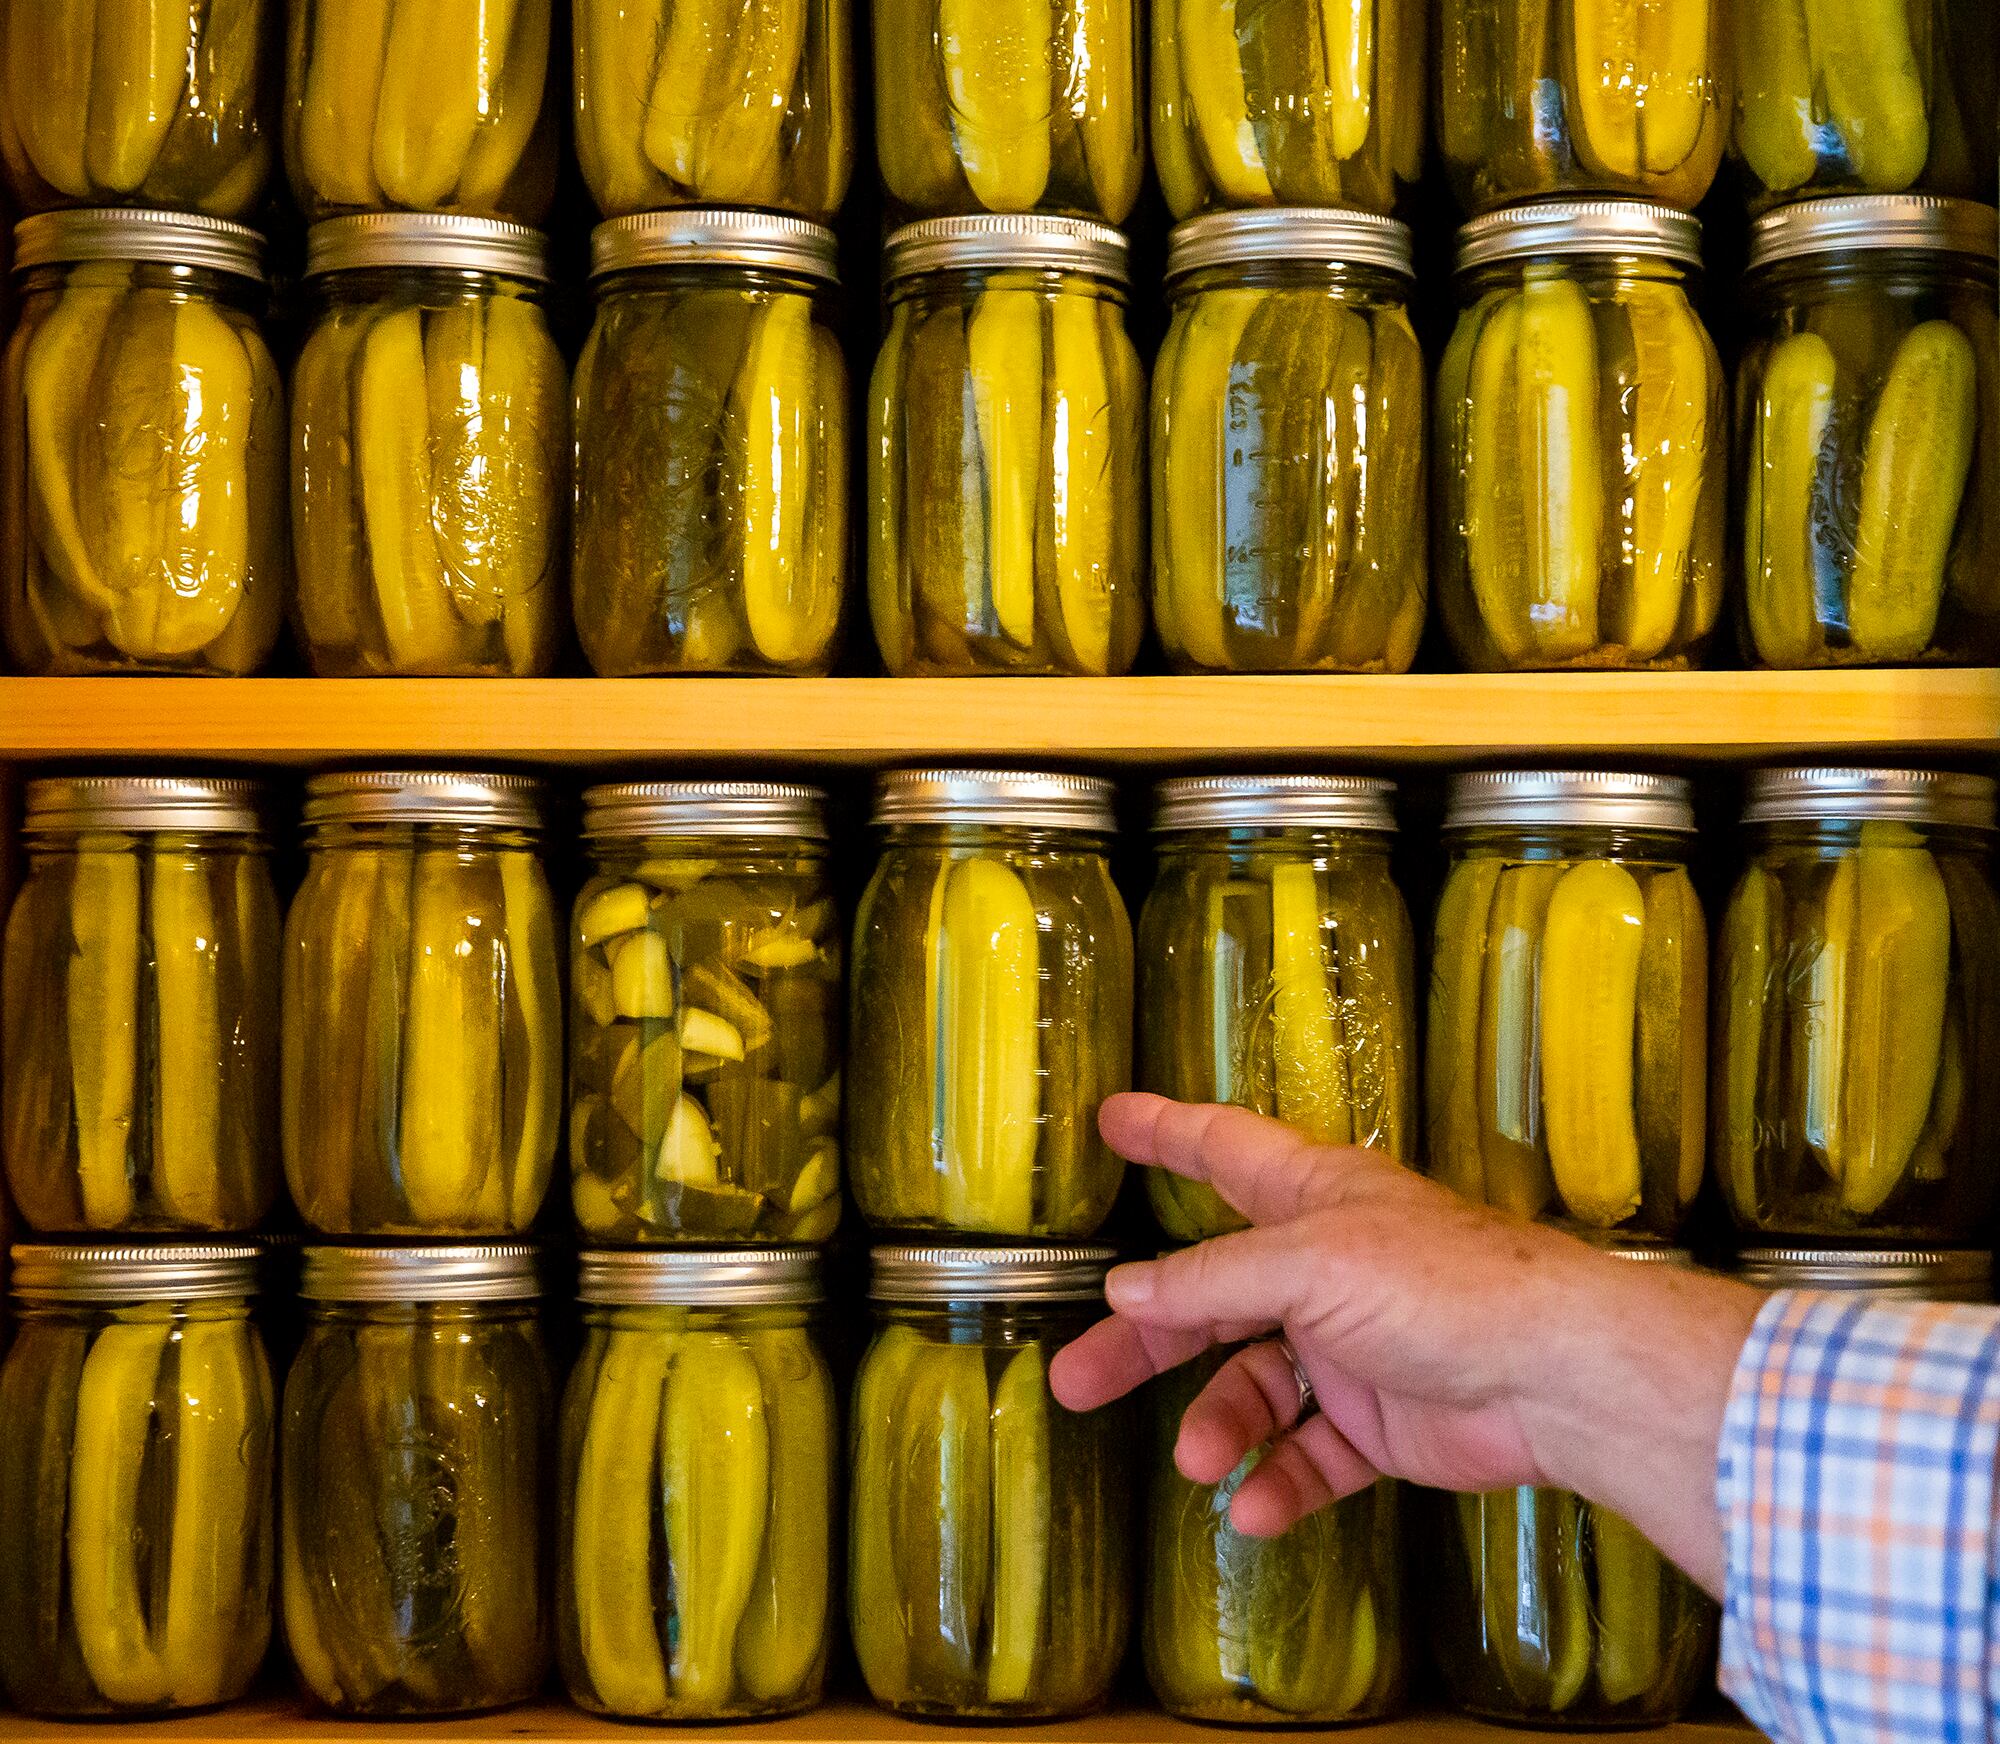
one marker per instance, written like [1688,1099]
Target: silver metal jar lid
[194,803]
[1308,235]
[698,236]
[1323,802]
[173,1271]
[448,1272]
[741,1277]
[136,233]
[1034,241]
[1917,796]
[1594,227]
[1959,1274]
[424,796]
[1920,223]
[440,239]
[704,808]
[1569,796]
[989,1274]
[1647,1253]
[1023,798]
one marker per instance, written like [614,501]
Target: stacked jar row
[416,1085]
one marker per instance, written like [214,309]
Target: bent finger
[1111,1358]
[1311,1467]
[1253,1276]
[1252,1397]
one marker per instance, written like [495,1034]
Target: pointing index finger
[1266,1170]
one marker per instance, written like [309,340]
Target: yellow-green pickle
[1539,97]
[1009,106]
[1287,450]
[136,1453]
[416,1467]
[430,450]
[990,1532]
[1857,991]
[1277,968]
[714,102]
[422,1081]
[423,105]
[1288,103]
[141,1008]
[1866,96]
[711,448]
[1582,443]
[106,103]
[1302,1629]
[992,1006]
[700,1442]
[705,1001]
[1566,1063]
[142,449]
[1006,451]
[1868,431]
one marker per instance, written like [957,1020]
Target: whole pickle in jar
[436,107]
[429,478]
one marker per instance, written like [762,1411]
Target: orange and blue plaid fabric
[1855,1477]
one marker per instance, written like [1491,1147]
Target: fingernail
[1129,1286]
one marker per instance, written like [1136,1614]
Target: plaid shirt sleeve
[1855,1479]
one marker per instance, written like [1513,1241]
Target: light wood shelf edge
[861,721]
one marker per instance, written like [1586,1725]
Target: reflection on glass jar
[430,451]
[171,106]
[416,1461]
[711,448]
[422,1089]
[696,102]
[141,1008]
[990,1531]
[1868,425]
[1288,447]
[1582,443]
[699,1447]
[438,108]
[1277,969]
[992,1006]
[143,521]
[1566,1060]
[1857,990]
[1303,1628]
[136,1427]
[1540,97]
[705,1016]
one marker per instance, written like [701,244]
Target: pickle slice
[1783,503]
[1453,1056]
[1020,1526]
[103,1018]
[997,61]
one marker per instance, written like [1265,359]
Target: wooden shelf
[860,721]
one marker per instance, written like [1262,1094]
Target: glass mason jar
[136,1432]
[1031,108]
[1305,103]
[1288,447]
[1857,992]
[1893,1274]
[711,448]
[142,526]
[705,999]
[422,1028]
[1006,449]
[1582,444]
[729,106]
[438,108]
[1306,1628]
[1277,968]
[990,1532]
[1540,97]
[1867,415]
[174,106]
[430,450]
[992,1006]
[1866,98]
[1566,1062]
[141,1008]
[416,1461]
[699,1455]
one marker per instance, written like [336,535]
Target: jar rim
[1832,794]
[1052,1273]
[715,236]
[105,1272]
[1329,802]
[625,809]
[198,804]
[1000,240]
[425,796]
[697,1278]
[137,233]
[1883,1268]
[1034,799]
[1914,223]
[441,1272]
[426,239]
[1306,235]
[1556,797]
[1582,227]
